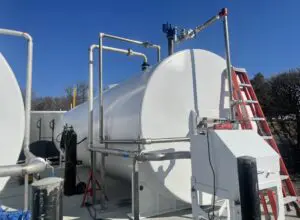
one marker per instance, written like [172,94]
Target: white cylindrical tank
[157,104]
[12,118]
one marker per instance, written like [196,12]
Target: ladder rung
[258,119]
[245,101]
[289,199]
[239,70]
[245,85]
[284,177]
[267,137]
[251,101]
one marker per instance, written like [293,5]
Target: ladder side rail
[253,106]
[272,142]
[258,108]
[237,108]
[246,91]
[242,113]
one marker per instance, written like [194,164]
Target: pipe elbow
[34,165]
[92,47]
[145,58]
[28,37]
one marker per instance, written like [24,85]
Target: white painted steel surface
[44,120]
[225,147]
[157,104]
[12,117]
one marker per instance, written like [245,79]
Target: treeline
[279,96]
[61,103]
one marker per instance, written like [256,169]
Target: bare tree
[81,90]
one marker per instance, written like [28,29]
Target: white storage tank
[157,104]
[12,118]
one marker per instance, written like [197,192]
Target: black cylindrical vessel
[69,142]
[46,199]
[249,191]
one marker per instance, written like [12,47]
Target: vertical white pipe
[28,95]
[27,113]
[90,120]
[91,95]
[158,53]
[101,122]
[229,69]
[26,186]
[26,141]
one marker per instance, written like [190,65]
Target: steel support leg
[26,186]
[272,199]
[135,190]
[93,163]
[229,69]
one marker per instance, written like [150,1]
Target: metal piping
[101,113]
[148,140]
[163,156]
[28,83]
[144,44]
[192,34]
[33,164]
[170,46]
[128,52]
[90,117]
[149,156]
[101,47]
[115,152]
[228,62]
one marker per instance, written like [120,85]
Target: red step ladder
[241,84]
[89,191]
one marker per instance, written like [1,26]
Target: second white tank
[157,104]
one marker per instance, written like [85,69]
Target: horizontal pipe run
[128,52]
[114,152]
[198,29]
[15,33]
[166,140]
[145,44]
[34,165]
[147,140]
[149,156]
[164,156]
[207,23]
[192,34]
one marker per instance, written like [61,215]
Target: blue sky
[264,35]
